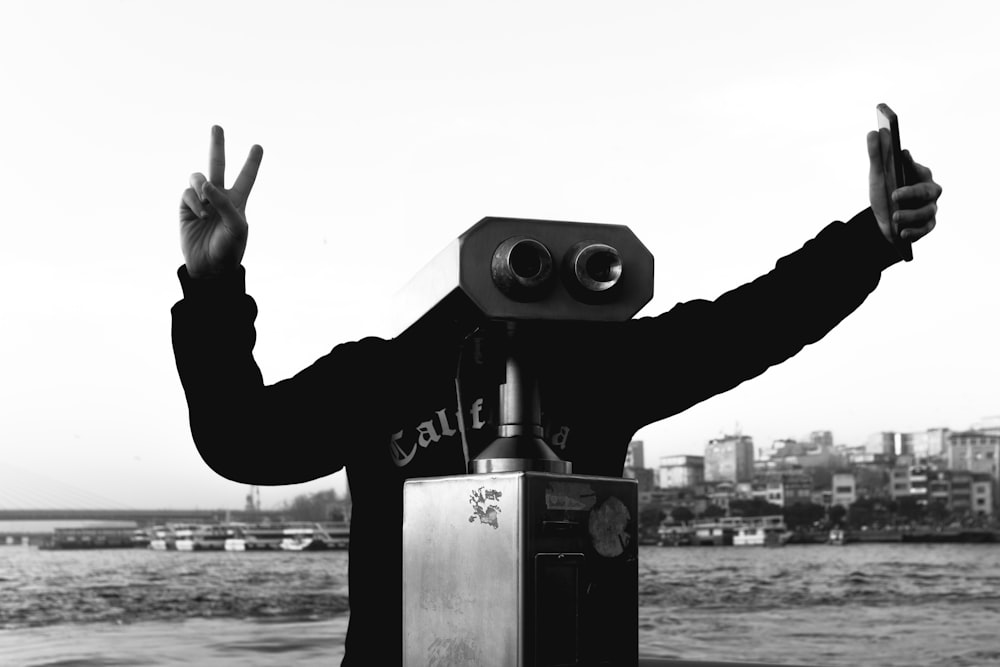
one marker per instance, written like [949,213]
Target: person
[386,409]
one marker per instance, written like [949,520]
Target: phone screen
[892,169]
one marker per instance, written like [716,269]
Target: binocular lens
[597,267]
[521,268]
[526,259]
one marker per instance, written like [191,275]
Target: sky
[724,134]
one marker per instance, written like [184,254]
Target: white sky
[725,134]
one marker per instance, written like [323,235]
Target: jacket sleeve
[702,348]
[293,431]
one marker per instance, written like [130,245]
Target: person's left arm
[702,348]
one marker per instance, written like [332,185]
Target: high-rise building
[729,459]
[634,457]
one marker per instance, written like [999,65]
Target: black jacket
[387,409]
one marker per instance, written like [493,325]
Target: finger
[913,196]
[915,217]
[197,183]
[915,233]
[193,202]
[186,213]
[874,155]
[920,171]
[222,203]
[248,174]
[217,157]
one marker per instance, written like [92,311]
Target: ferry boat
[183,538]
[675,536]
[290,536]
[297,536]
[714,533]
[218,537]
[769,531]
[171,537]
[91,537]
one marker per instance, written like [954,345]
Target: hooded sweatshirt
[389,410]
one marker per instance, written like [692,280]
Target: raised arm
[702,348]
[293,431]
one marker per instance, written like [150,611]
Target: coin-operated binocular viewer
[519,562]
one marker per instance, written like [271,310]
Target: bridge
[31,526]
[143,517]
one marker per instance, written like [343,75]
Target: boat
[296,536]
[172,537]
[675,536]
[313,537]
[91,537]
[183,537]
[767,531]
[837,537]
[235,536]
[219,537]
[710,534]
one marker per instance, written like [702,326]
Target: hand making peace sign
[213,219]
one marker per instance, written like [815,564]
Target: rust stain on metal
[485,506]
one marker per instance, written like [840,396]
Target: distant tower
[635,457]
[253,499]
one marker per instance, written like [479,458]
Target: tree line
[321,506]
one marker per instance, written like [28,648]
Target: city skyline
[80,497]
[724,135]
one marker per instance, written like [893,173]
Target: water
[861,604]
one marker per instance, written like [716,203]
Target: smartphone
[894,170]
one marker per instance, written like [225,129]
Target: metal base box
[520,569]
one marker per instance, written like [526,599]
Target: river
[860,604]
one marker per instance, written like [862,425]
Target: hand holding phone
[895,171]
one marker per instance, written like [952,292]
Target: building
[975,451]
[634,457]
[988,425]
[911,481]
[645,477]
[681,471]
[722,494]
[961,492]
[983,498]
[729,458]
[695,499]
[821,441]
[786,488]
[845,491]
[785,447]
[929,444]
[882,444]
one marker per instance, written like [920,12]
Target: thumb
[874,156]
[222,203]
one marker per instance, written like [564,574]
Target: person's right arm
[293,431]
